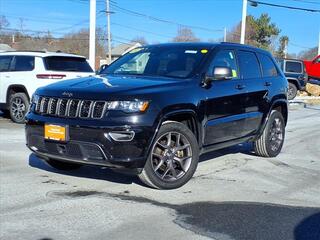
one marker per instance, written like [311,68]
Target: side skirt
[218,146]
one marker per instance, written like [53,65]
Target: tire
[18,107]
[292,91]
[171,163]
[62,165]
[271,141]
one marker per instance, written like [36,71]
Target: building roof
[121,49]
[5,47]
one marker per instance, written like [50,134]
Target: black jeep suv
[156,109]
[295,72]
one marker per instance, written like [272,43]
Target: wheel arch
[182,116]
[295,82]
[187,117]
[282,106]
[16,88]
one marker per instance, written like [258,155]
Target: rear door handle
[240,86]
[268,84]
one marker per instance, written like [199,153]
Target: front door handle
[240,86]
[268,84]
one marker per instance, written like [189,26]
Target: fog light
[122,136]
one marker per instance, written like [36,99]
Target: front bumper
[90,144]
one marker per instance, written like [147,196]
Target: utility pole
[225,34]
[92,40]
[108,30]
[285,48]
[243,22]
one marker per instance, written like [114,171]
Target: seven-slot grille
[72,108]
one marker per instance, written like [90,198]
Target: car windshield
[165,61]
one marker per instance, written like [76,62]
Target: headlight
[34,99]
[128,106]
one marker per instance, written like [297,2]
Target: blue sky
[63,16]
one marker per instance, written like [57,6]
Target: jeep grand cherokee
[156,109]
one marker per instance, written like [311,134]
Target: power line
[299,46]
[65,38]
[156,19]
[140,30]
[304,1]
[285,6]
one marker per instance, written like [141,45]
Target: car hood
[97,87]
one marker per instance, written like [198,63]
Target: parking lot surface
[233,195]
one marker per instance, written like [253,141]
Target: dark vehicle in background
[157,108]
[295,72]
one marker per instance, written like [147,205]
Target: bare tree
[185,35]
[308,54]
[3,22]
[139,39]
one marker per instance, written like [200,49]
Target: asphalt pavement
[234,194]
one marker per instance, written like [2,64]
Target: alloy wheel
[276,135]
[171,156]
[18,108]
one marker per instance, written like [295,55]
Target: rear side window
[22,63]
[67,64]
[5,63]
[268,67]
[225,58]
[293,67]
[249,65]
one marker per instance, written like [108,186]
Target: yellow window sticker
[204,51]
[234,73]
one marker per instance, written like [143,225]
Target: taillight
[51,76]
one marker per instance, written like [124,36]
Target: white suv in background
[21,73]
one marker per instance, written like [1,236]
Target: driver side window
[136,65]
[225,58]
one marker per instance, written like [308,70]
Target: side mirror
[222,73]
[218,73]
[102,68]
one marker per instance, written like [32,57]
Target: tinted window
[293,67]
[249,66]
[268,67]
[167,61]
[22,63]
[5,63]
[225,58]
[67,64]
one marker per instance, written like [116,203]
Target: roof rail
[26,51]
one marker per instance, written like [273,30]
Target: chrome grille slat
[44,105]
[85,108]
[99,108]
[53,106]
[62,111]
[73,108]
